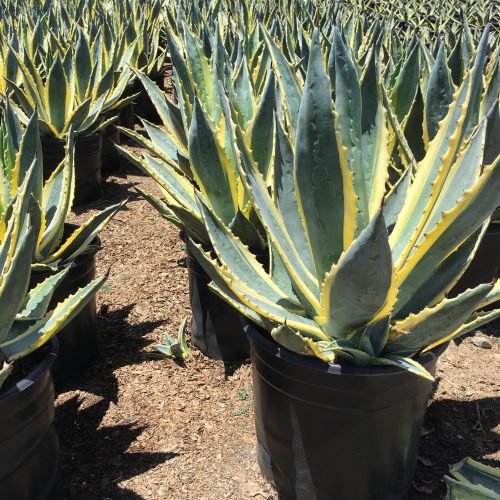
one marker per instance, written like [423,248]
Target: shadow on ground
[457,429]
[99,453]
[88,449]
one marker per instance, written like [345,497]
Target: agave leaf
[5,371]
[442,279]
[241,262]
[244,101]
[57,96]
[455,226]
[287,81]
[286,199]
[291,340]
[14,279]
[405,88]
[407,364]
[438,97]
[305,284]
[215,181]
[435,323]
[57,200]
[175,184]
[40,332]
[218,285]
[199,69]
[82,65]
[325,195]
[357,287]
[36,302]
[431,173]
[374,142]
[82,237]
[261,129]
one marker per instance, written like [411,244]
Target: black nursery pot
[110,158]
[144,107]
[78,345]
[330,431]
[485,263]
[87,164]
[29,448]
[216,328]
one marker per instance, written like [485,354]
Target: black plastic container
[330,431]
[144,107]
[110,158]
[216,327]
[78,345]
[485,264]
[126,118]
[87,164]
[29,448]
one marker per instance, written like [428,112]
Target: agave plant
[73,87]
[471,480]
[21,151]
[358,273]
[191,154]
[26,322]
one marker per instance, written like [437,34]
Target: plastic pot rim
[257,337]
[44,365]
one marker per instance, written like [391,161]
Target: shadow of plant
[121,343]
[94,457]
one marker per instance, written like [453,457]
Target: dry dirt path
[131,428]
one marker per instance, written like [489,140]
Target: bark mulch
[133,428]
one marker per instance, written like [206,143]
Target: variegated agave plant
[21,153]
[27,322]
[191,154]
[76,87]
[358,273]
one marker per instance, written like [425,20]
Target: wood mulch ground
[133,428]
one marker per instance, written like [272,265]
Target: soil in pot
[87,164]
[78,339]
[29,448]
[331,431]
[110,158]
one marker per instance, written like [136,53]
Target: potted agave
[58,246]
[29,448]
[347,325]
[189,158]
[72,95]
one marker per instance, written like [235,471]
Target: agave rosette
[191,154]
[52,200]
[358,273]
[28,321]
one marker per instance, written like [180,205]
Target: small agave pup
[351,280]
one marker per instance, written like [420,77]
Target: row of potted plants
[367,231]
[47,286]
[332,180]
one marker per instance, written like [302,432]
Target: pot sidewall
[29,447]
[324,431]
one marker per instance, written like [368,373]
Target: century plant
[191,154]
[27,321]
[358,273]
[21,153]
